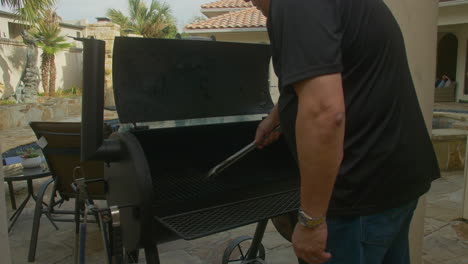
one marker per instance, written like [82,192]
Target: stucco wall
[4,28]
[69,65]
[72,32]
[418,20]
[450,15]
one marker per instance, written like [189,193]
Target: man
[349,112]
[445,82]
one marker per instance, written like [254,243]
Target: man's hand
[264,135]
[309,243]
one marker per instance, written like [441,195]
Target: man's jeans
[375,239]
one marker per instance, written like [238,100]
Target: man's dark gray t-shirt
[388,156]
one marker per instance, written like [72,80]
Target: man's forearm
[319,141]
[274,114]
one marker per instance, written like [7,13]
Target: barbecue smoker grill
[156,176]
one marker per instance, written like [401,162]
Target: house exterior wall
[454,19]
[451,15]
[461,32]
[69,64]
[69,32]
[8,21]
[4,32]
[7,24]
[14,30]
[420,33]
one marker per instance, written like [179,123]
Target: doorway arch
[447,56]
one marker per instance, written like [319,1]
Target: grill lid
[161,79]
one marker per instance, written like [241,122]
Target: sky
[182,10]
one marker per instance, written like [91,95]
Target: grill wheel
[238,250]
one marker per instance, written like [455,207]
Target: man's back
[388,156]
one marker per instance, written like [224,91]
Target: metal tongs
[216,170]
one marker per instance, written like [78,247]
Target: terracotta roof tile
[247,18]
[228,4]
[243,4]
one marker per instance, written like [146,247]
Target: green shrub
[73,91]
[7,102]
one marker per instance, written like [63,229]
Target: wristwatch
[308,221]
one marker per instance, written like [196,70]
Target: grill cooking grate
[185,184]
[209,221]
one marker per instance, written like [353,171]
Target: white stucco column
[465,192]
[418,21]
[4,243]
[460,31]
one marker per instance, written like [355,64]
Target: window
[15,30]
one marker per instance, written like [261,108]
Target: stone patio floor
[445,241]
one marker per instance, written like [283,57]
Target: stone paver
[445,242]
[451,106]
[446,237]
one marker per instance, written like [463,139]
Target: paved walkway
[446,237]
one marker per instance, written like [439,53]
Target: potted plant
[30,158]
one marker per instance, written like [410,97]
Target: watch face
[309,222]
[303,219]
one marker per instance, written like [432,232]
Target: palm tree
[154,21]
[47,32]
[29,10]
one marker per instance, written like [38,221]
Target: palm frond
[29,10]
[150,21]
[47,31]
[119,18]
[133,6]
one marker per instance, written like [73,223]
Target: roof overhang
[453,14]
[226,30]
[72,26]
[8,14]
[453,3]
[16,17]
[230,9]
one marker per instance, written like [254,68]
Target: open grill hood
[161,79]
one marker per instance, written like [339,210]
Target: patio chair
[62,154]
